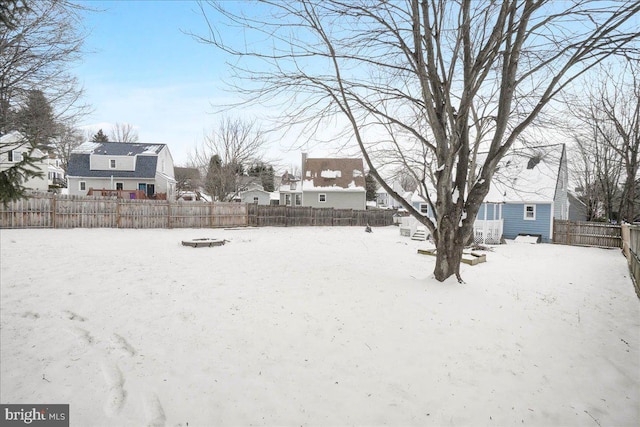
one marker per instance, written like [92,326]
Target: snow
[327,173]
[87,147]
[313,326]
[527,239]
[515,182]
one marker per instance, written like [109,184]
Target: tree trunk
[449,246]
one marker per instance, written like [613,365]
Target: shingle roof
[327,173]
[146,163]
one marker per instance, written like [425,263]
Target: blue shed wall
[514,222]
[480,215]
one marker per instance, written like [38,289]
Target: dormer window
[112,163]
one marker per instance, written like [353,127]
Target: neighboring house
[127,169]
[274,198]
[383,198]
[254,194]
[577,208]
[56,176]
[12,148]
[528,191]
[333,183]
[290,190]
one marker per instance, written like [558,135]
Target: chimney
[302,166]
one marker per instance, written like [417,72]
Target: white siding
[103,162]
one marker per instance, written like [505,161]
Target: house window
[322,198]
[530,212]
[14,156]
[424,208]
[119,186]
[112,163]
[298,199]
[292,185]
[83,186]
[287,199]
[255,200]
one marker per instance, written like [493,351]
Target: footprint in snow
[30,315]
[116,395]
[154,411]
[123,345]
[73,316]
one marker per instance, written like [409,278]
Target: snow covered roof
[118,148]
[333,174]
[527,175]
[15,140]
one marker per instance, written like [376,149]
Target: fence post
[625,232]
[568,225]
[118,218]
[53,211]
[169,214]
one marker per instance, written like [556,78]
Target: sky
[142,68]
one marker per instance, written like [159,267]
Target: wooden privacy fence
[47,210]
[587,234]
[56,211]
[289,216]
[631,248]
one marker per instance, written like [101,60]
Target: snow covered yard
[313,326]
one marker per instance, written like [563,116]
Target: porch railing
[487,231]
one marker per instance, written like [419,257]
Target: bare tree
[67,139]
[225,154]
[606,129]
[38,42]
[422,84]
[35,53]
[123,132]
[616,110]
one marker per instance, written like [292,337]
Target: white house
[12,147]
[383,199]
[55,174]
[254,193]
[126,169]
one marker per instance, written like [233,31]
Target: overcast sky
[141,68]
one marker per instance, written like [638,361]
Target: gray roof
[146,164]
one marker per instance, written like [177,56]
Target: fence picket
[587,234]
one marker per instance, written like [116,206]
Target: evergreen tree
[371,186]
[36,121]
[100,137]
[265,173]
